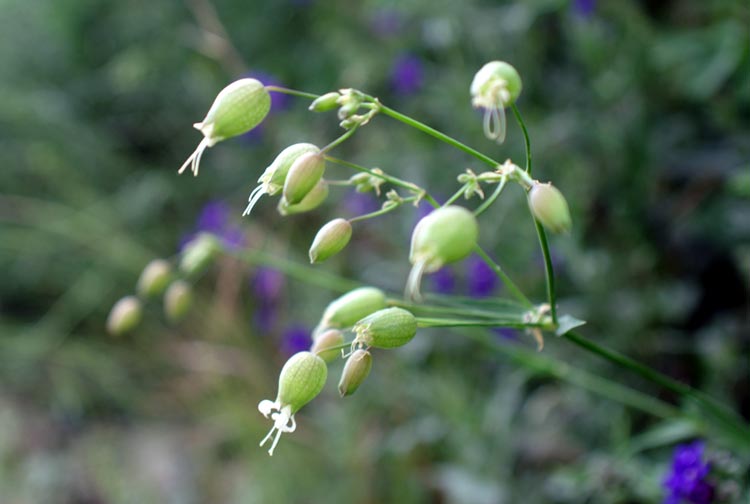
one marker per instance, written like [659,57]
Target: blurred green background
[639,111]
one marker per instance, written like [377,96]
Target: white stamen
[255,195]
[195,158]
[414,281]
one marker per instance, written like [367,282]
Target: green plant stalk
[498,322]
[548,269]
[489,201]
[339,140]
[293,92]
[382,211]
[718,410]
[512,287]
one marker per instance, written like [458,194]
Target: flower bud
[125,316]
[272,180]
[328,101]
[353,306]
[388,328]
[326,345]
[237,109]
[199,254]
[447,235]
[314,199]
[495,86]
[154,278]
[178,300]
[550,208]
[355,371]
[330,240]
[301,379]
[304,174]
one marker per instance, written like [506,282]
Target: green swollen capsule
[388,328]
[272,180]
[154,278]
[237,109]
[199,254]
[125,316]
[304,174]
[446,235]
[356,369]
[549,207]
[314,199]
[178,300]
[326,345]
[330,240]
[301,379]
[352,306]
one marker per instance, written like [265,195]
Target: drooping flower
[687,481]
[495,86]
[301,379]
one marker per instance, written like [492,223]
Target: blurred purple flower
[407,74]
[214,218]
[267,284]
[265,317]
[583,8]
[506,333]
[356,203]
[443,281]
[295,338]
[279,101]
[481,281]
[386,23]
[686,481]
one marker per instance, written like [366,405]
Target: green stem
[455,196]
[339,140]
[517,114]
[718,410]
[437,134]
[380,212]
[383,176]
[489,201]
[512,287]
[541,235]
[292,92]
[446,322]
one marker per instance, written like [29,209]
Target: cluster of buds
[349,103]
[303,376]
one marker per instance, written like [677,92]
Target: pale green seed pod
[326,345]
[447,235]
[272,180]
[328,101]
[495,86]
[304,174]
[301,379]
[125,316]
[356,369]
[237,109]
[352,306]
[178,299]
[330,240]
[388,328]
[154,278]
[313,200]
[199,254]
[549,207]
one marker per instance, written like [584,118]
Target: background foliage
[639,112]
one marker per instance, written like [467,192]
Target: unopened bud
[388,328]
[356,369]
[327,345]
[330,240]
[353,306]
[125,316]
[314,199]
[328,101]
[178,300]
[447,235]
[154,278]
[237,109]
[550,208]
[304,174]
[199,254]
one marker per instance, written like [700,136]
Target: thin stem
[338,182]
[339,140]
[512,287]
[720,411]
[548,269]
[380,212]
[292,92]
[446,322]
[517,114]
[437,134]
[489,201]
[455,196]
